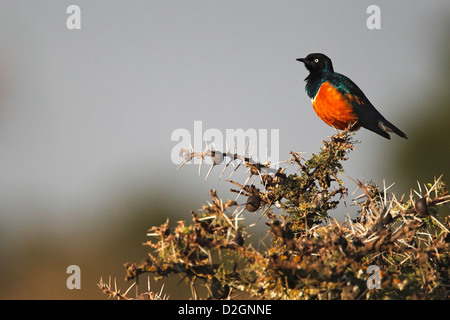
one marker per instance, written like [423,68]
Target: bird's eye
[316,60]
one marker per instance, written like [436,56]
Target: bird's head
[317,63]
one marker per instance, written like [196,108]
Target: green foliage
[309,194]
[307,255]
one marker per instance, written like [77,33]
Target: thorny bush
[307,254]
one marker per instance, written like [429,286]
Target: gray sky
[87,113]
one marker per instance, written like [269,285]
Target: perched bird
[339,102]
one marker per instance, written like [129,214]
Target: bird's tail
[386,127]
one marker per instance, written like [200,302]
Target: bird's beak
[302,60]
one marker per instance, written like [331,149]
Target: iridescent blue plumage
[349,96]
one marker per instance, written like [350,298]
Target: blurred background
[86,116]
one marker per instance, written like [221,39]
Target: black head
[317,63]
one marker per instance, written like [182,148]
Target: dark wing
[368,116]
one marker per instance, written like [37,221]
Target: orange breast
[334,109]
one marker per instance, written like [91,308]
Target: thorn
[246,147]
[129,288]
[261,179]
[234,170]
[240,191]
[207,218]
[265,210]
[212,166]
[237,216]
[160,291]
[418,194]
[440,224]
[253,152]
[428,191]
[225,168]
[200,166]
[420,188]
[183,163]
[434,186]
